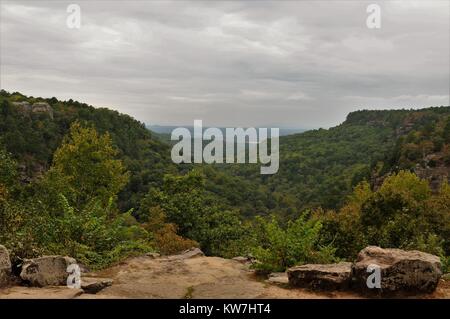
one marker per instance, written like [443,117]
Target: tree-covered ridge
[33,138]
[424,147]
[320,167]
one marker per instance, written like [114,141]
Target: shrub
[168,242]
[280,248]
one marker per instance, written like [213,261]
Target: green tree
[87,162]
[395,215]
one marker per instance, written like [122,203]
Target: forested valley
[97,185]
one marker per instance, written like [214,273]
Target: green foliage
[198,215]
[168,242]
[8,168]
[402,213]
[298,243]
[86,224]
[317,168]
[343,228]
[395,214]
[445,264]
[12,214]
[87,162]
[90,235]
[33,139]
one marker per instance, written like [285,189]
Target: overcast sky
[231,63]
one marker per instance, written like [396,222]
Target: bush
[90,235]
[298,243]
[168,242]
[402,213]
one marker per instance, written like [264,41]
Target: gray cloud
[252,63]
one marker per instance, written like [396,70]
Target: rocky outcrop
[46,271]
[246,260]
[43,108]
[321,276]
[5,266]
[23,106]
[400,271]
[37,108]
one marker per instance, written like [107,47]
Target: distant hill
[167,130]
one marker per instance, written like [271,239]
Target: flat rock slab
[92,285]
[401,271]
[39,293]
[190,253]
[321,276]
[241,259]
[200,277]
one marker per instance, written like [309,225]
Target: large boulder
[5,266]
[46,271]
[400,271]
[321,276]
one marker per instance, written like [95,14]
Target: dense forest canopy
[97,185]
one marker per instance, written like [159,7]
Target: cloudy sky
[230,63]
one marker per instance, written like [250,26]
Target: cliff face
[435,174]
[36,108]
[422,143]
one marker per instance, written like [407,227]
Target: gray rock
[190,253]
[46,271]
[321,276]
[153,255]
[241,259]
[37,108]
[279,278]
[401,271]
[23,106]
[92,285]
[5,266]
[42,107]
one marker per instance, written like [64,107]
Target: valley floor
[178,277]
